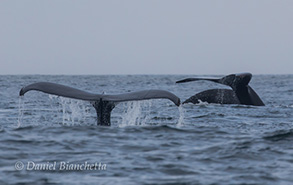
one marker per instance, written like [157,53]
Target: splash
[202,103]
[74,112]
[20,111]
[181,116]
[137,113]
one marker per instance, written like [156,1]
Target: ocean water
[46,139]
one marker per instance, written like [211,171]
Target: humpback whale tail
[239,84]
[232,80]
[103,104]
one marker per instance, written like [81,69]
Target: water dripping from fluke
[181,116]
[74,112]
[133,114]
[71,112]
[20,111]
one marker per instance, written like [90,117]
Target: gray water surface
[149,142]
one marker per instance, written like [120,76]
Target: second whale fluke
[241,92]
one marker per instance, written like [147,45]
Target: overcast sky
[146,36]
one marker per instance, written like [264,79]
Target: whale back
[220,96]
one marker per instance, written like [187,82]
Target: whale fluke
[232,80]
[196,79]
[60,90]
[103,103]
[239,84]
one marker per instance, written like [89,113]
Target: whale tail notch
[102,103]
